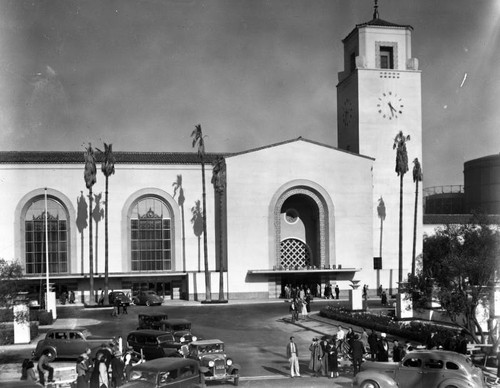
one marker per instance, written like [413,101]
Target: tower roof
[378,23]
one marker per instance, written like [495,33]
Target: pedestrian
[397,351]
[383,298]
[28,370]
[294,310]
[333,362]
[316,357]
[82,371]
[365,292]
[99,377]
[124,308]
[337,291]
[431,342]
[117,370]
[101,298]
[303,308]
[116,308]
[379,290]
[324,360]
[72,297]
[357,352]
[364,338]
[318,290]
[308,303]
[350,336]
[373,344]
[462,343]
[292,353]
[382,349]
[328,291]
[44,365]
[340,339]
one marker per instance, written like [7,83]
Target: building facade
[297,212]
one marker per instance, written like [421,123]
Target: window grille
[294,253]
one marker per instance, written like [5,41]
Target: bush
[412,330]
[45,317]
[7,332]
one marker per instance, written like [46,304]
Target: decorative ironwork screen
[294,253]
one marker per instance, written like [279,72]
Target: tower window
[386,57]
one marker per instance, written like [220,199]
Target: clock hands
[393,110]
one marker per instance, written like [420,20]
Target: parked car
[214,363]
[165,372]
[69,343]
[152,344]
[120,295]
[422,368]
[150,321]
[179,327]
[148,298]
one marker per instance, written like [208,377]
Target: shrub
[45,317]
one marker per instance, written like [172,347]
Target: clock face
[347,112]
[390,105]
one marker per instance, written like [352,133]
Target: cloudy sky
[141,73]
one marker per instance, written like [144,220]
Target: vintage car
[69,343]
[422,369]
[179,327]
[150,321]
[120,295]
[214,363]
[153,344]
[148,298]
[165,372]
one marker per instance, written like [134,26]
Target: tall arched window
[35,237]
[150,227]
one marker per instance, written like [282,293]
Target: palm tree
[107,168]
[401,168]
[219,182]
[180,200]
[81,220]
[90,179]
[417,177]
[197,221]
[97,214]
[197,136]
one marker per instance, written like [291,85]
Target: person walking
[316,357]
[294,310]
[337,291]
[44,365]
[292,353]
[117,370]
[82,370]
[324,360]
[357,351]
[99,377]
[397,351]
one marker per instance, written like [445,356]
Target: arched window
[35,237]
[150,228]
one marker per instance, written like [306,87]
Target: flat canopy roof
[302,271]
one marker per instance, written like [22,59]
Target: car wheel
[369,384]
[148,303]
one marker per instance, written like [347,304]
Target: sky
[140,74]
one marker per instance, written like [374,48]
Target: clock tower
[378,95]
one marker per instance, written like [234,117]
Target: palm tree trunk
[91,255]
[183,240]
[96,269]
[199,254]
[81,242]
[106,242]
[414,231]
[400,269]
[221,249]
[208,292]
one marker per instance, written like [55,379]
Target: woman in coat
[333,355]
[316,357]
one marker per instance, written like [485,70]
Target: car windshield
[118,294]
[183,326]
[211,348]
[164,338]
[150,377]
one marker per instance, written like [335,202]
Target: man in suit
[358,351]
[292,353]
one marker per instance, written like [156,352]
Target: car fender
[382,379]
[204,369]
[234,367]
[455,382]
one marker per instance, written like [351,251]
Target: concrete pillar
[50,304]
[355,296]
[404,308]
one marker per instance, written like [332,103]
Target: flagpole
[46,253]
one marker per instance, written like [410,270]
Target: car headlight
[194,338]
[229,361]
[183,339]
[211,363]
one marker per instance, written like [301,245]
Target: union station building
[296,212]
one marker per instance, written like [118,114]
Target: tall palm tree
[219,182]
[197,136]
[401,168]
[98,215]
[197,221]
[108,169]
[90,179]
[180,200]
[81,221]
[417,177]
